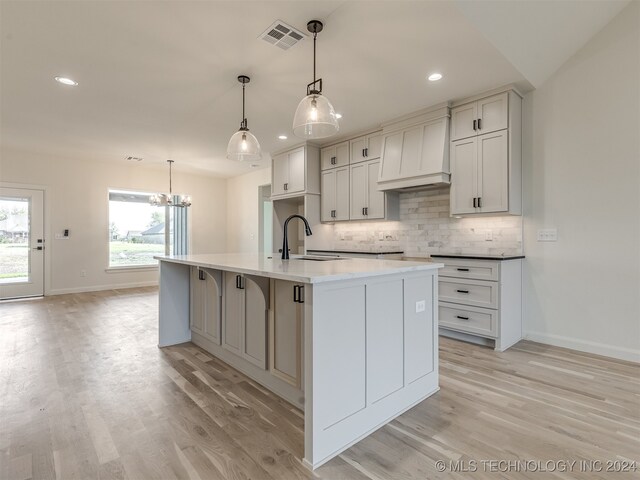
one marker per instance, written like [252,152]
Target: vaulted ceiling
[158,79]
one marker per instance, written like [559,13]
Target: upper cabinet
[367,202]
[415,151]
[334,201]
[334,156]
[486,157]
[366,147]
[295,172]
[482,116]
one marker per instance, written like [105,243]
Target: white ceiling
[158,79]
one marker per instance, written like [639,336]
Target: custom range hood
[415,150]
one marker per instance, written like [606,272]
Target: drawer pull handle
[461,317]
[462,269]
[462,291]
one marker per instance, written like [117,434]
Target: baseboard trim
[100,288]
[612,351]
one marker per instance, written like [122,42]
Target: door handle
[475,201]
[479,202]
[479,123]
[462,269]
[201,274]
[366,211]
[239,284]
[38,248]
[298,291]
[286,186]
[366,152]
[462,291]
[363,153]
[474,125]
[462,318]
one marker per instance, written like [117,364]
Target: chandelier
[166,199]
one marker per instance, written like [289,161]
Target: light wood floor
[85,393]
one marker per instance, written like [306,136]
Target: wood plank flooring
[86,394]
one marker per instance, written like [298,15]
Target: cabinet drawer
[468,319]
[474,269]
[468,292]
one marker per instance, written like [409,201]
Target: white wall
[243,210]
[77,198]
[582,176]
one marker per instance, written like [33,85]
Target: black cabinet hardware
[479,202]
[201,274]
[363,211]
[475,202]
[333,160]
[366,152]
[462,291]
[474,125]
[461,317]
[286,186]
[333,214]
[298,291]
[239,282]
[462,269]
[366,211]
[479,123]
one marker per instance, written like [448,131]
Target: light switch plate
[548,235]
[421,306]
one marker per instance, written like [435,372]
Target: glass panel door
[21,243]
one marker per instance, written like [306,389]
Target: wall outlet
[488,236]
[421,306]
[380,235]
[548,235]
[83,273]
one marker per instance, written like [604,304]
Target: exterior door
[22,243]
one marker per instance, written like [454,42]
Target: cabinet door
[411,151]
[463,176]
[342,154]
[196,311]
[374,146]
[327,195]
[280,175]
[462,119]
[357,146]
[285,334]
[358,191]
[375,204]
[296,171]
[212,309]
[328,157]
[493,175]
[391,155]
[342,193]
[493,113]
[254,333]
[233,314]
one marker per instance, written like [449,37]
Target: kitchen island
[352,342]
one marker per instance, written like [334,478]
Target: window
[137,230]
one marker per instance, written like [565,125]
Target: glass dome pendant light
[315,116]
[166,199]
[243,145]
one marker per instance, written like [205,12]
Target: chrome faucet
[285,242]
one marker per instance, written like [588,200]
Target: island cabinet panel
[419,327]
[343,365]
[205,303]
[285,333]
[233,313]
[385,340]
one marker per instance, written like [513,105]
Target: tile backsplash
[426,228]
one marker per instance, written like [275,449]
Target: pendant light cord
[170,189]
[315,34]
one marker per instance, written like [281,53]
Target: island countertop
[298,270]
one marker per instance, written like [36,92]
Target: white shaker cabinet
[334,200]
[486,166]
[206,300]
[366,147]
[367,202]
[334,156]
[295,172]
[244,326]
[285,332]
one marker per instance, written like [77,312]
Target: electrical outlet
[421,306]
[83,273]
[548,235]
[488,236]
[380,235]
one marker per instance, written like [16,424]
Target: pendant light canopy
[166,199]
[243,145]
[315,116]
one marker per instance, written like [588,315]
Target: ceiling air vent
[133,159]
[282,35]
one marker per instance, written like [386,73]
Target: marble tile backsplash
[426,228]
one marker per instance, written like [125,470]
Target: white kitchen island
[353,342]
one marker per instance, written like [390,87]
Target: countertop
[304,271]
[359,252]
[478,257]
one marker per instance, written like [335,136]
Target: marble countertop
[359,252]
[297,270]
[477,257]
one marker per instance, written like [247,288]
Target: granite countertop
[360,252]
[297,270]
[477,257]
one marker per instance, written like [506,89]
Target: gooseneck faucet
[285,241]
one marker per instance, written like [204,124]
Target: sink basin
[317,258]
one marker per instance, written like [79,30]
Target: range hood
[415,151]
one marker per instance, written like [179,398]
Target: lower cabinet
[206,299]
[285,332]
[244,322]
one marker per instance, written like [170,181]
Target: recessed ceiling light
[434,77]
[66,81]
[338,115]
[282,137]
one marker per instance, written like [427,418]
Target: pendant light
[243,145]
[315,116]
[166,199]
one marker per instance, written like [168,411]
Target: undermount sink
[317,258]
